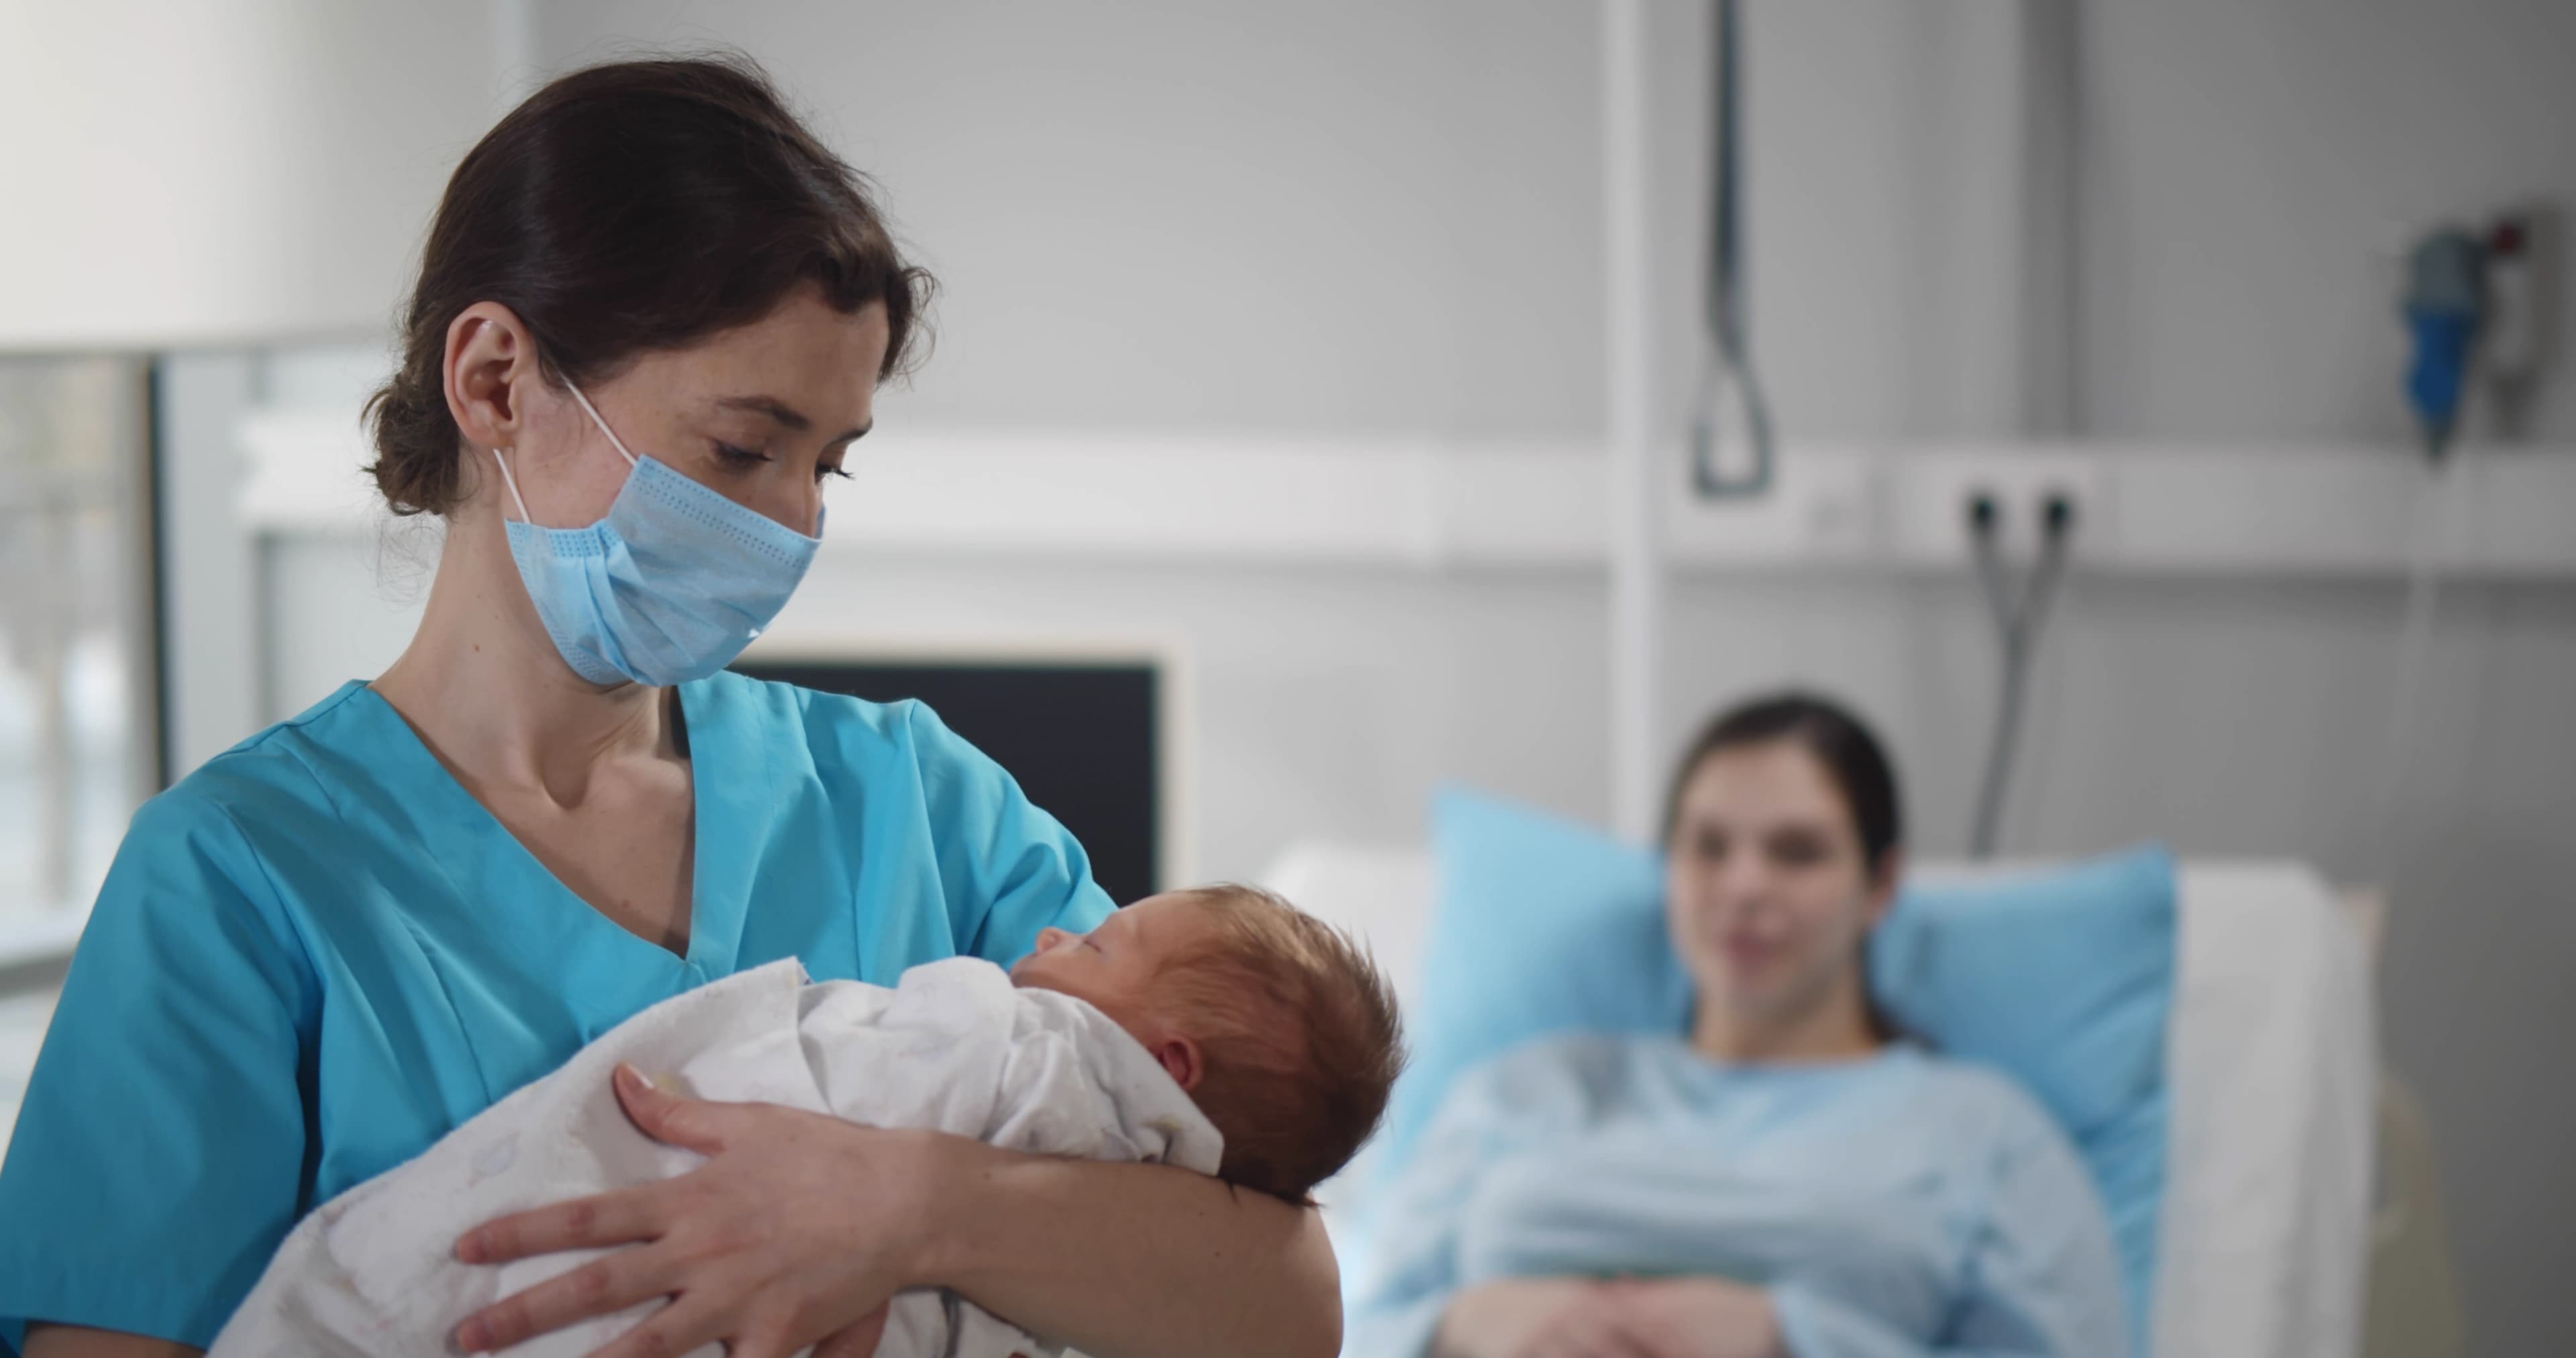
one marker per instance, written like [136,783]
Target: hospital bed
[2270,1242]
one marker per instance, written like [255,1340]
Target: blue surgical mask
[669,587]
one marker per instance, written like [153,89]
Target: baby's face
[1113,967]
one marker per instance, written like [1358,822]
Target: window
[79,745]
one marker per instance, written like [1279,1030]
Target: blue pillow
[1540,926]
[2061,977]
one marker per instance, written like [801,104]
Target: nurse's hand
[785,1237]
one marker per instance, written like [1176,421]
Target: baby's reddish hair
[1299,1040]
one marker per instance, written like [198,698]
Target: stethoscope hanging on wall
[1729,410]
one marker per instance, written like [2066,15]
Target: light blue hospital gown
[1895,1207]
[319,953]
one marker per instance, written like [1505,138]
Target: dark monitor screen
[1082,739]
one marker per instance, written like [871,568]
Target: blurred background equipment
[2446,304]
[80,729]
[2017,615]
[1084,736]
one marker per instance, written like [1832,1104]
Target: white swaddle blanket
[954,1047]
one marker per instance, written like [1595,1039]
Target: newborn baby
[1216,1029]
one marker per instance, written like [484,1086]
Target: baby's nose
[1049,938]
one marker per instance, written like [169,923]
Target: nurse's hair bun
[626,208]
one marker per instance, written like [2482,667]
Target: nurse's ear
[491,372]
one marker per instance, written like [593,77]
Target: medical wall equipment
[2445,306]
[2477,305]
[2478,309]
[2017,615]
[2524,262]
[1730,411]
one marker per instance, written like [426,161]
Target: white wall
[1230,214]
[194,171]
[1348,218]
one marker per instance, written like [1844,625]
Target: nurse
[651,316]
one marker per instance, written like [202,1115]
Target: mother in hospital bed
[1789,1176]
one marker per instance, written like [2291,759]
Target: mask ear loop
[586,408]
[593,412]
[513,483]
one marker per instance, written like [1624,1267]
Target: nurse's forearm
[74,1341]
[1134,1261]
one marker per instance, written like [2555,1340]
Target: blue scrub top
[319,953]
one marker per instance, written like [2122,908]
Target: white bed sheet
[2273,1058]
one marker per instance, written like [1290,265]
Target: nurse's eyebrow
[785,414]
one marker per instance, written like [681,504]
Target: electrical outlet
[1934,491]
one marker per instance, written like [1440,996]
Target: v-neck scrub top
[318,953]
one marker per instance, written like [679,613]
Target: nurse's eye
[743,458]
[821,471]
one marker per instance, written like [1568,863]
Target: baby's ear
[1180,1058]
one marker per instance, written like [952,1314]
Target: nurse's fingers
[684,1326]
[689,1324]
[607,1284]
[675,1119]
[618,1218]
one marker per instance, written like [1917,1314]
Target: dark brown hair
[1839,741]
[1299,1040]
[625,209]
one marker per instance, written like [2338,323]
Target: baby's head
[1278,1025]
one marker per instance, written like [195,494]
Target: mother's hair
[628,208]
[1840,742]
